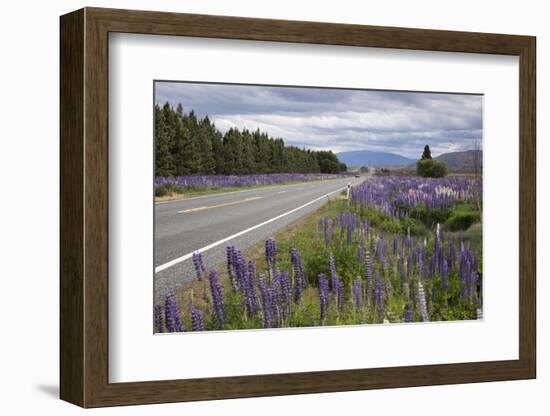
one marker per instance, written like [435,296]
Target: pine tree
[263,152]
[231,149]
[249,153]
[206,137]
[217,150]
[164,139]
[184,149]
[195,162]
[187,145]
[427,154]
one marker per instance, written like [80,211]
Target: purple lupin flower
[299,276]
[349,230]
[444,274]
[425,270]
[235,259]
[361,251]
[172,315]
[266,302]
[270,253]
[217,296]
[402,278]
[422,302]
[410,262]
[333,275]
[197,320]
[440,259]
[199,265]
[379,296]
[358,292]
[368,283]
[432,265]
[219,181]
[323,296]
[241,272]
[465,275]
[230,255]
[275,290]
[340,295]
[249,291]
[159,319]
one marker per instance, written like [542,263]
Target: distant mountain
[462,161]
[368,158]
[455,161]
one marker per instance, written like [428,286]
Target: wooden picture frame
[84,207]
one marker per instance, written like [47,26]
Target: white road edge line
[226,239]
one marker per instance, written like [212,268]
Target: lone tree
[427,154]
[430,168]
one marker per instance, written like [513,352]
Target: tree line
[188,145]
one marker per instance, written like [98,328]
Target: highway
[209,223]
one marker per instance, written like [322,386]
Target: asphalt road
[212,222]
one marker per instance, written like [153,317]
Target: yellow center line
[225,204]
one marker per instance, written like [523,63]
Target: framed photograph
[255,207]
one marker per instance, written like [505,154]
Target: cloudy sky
[337,119]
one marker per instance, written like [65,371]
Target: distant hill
[369,158]
[455,161]
[461,161]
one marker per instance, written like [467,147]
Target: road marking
[239,192]
[213,194]
[231,237]
[225,204]
[281,192]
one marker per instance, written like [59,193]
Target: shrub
[461,220]
[168,189]
[432,216]
[431,168]
[414,226]
[391,225]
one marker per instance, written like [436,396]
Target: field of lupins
[225,181]
[341,266]
[397,196]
